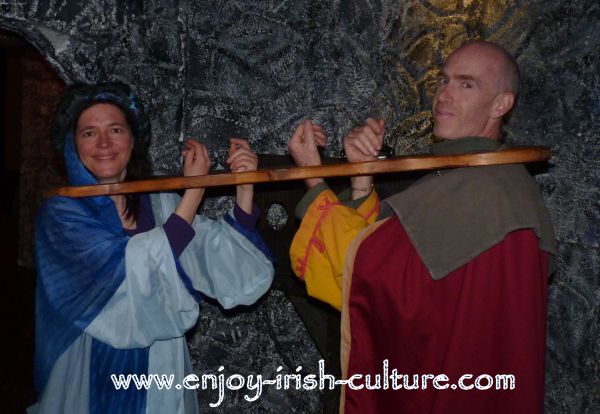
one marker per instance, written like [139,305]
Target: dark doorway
[29,90]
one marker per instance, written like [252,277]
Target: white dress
[152,308]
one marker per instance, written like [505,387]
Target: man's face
[465,96]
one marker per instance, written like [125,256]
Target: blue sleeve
[223,260]
[225,264]
[179,233]
[247,221]
[152,303]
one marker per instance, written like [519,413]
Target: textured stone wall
[256,68]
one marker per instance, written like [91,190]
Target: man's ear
[503,103]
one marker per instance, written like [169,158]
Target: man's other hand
[364,142]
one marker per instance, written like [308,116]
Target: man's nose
[444,93]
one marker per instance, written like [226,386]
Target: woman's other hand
[195,159]
[195,162]
[242,158]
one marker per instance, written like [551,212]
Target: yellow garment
[318,250]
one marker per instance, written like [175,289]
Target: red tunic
[487,317]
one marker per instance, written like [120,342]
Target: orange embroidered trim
[314,241]
[374,210]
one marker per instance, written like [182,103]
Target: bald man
[443,288]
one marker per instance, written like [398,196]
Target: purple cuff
[248,221]
[179,233]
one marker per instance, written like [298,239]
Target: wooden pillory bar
[514,155]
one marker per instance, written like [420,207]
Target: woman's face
[104,142]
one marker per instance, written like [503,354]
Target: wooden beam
[514,155]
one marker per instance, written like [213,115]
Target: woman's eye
[88,134]
[117,130]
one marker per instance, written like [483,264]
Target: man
[452,284]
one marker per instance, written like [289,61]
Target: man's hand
[363,144]
[303,147]
[303,144]
[242,158]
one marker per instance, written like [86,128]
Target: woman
[118,276]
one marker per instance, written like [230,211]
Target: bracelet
[363,189]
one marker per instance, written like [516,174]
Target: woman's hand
[195,159]
[195,162]
[242,158]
